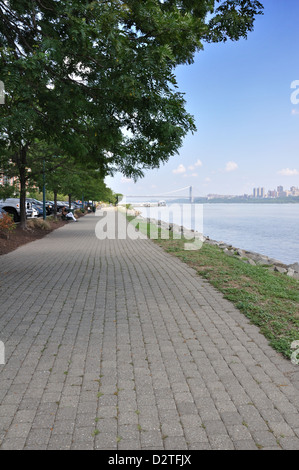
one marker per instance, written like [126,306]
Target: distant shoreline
[237,200]
[233,200]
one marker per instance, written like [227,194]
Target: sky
[246,114]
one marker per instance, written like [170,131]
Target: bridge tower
[191,198]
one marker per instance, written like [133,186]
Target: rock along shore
[249,257]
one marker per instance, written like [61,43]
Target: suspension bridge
[165,196]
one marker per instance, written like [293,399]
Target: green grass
[269,299]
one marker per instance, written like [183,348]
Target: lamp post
[44,190]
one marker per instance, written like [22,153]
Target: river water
[268,229]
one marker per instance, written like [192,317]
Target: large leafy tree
[64,174]
[97,77]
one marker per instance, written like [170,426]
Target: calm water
[269,229]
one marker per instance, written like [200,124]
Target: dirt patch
[20,237]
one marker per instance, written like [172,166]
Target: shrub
[39,224]
[79,212]
[7,225]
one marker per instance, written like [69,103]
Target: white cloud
[231,166]
[179,170]
[190,175]
[196,164]
[126,180]
[288,172]
[295,112]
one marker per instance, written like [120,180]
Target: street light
[44,190]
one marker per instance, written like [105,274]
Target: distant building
[7,180]
[259,192]
[12,180]
[294,191]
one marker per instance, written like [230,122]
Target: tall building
[259,193]
[7,180]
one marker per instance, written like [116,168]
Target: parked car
[38,210]
[12,206]
[61,204]
[38,203]
[77,205]
[49,207]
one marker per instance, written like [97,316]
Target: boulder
[229,252]
[280,270]
[240,252]
[295,267]
[262,261]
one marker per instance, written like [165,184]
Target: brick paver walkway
[114,344]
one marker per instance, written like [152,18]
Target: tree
[97,77]
[7,190]
[63,174]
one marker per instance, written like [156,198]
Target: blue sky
[247,126]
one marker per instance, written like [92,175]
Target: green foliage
[7,224]
[125,112]
[7,191]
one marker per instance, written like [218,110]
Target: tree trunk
[70,201]
[55,205]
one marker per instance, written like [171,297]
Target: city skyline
[262,193]
[245,99]
[280,191]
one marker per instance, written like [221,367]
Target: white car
[12,206]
